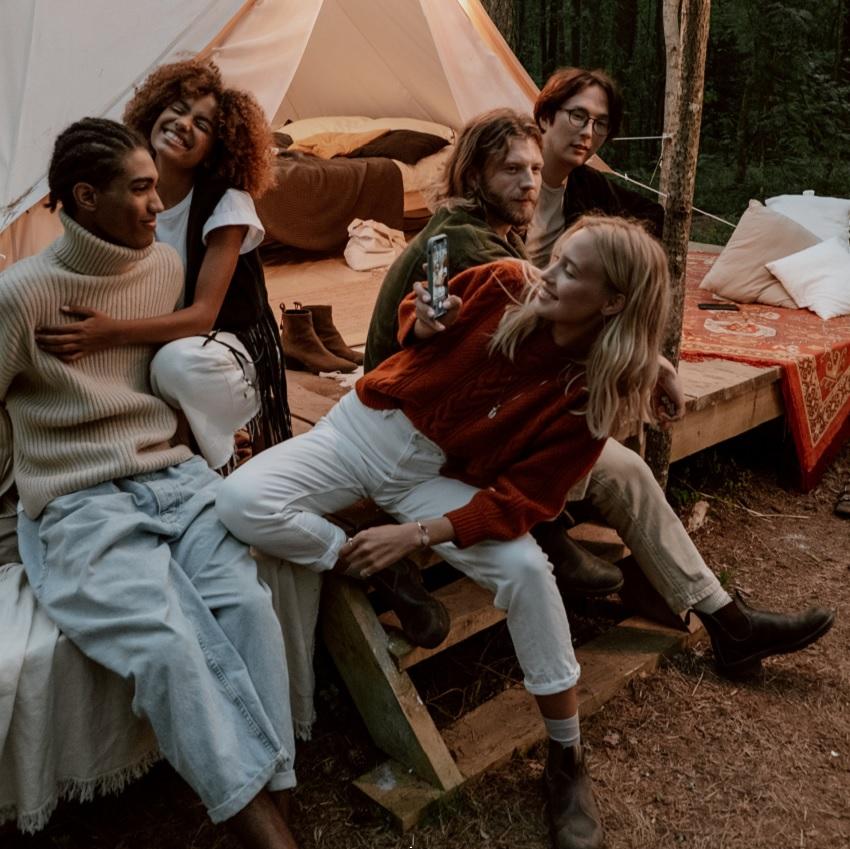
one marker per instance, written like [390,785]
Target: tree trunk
[575,34]
[678,206]
[671,12]
[501,12]
[844,45]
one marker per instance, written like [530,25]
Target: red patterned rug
[814,356]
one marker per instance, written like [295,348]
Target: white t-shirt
[235,208]
[546,225]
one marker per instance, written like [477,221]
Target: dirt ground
[680,758]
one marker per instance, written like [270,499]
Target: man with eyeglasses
[577,110]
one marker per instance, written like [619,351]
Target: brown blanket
[314,200]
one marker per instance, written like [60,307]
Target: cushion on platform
[761,236]
[407,146]
[825,217]
[818,278]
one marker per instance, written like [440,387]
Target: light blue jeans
[141,575]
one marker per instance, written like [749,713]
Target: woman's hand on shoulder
[426,323]
[94,331]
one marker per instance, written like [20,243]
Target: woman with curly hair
[221,362]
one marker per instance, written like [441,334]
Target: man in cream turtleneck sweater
[116,525]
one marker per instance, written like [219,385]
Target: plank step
[603,541]
[470,609]
[510,722]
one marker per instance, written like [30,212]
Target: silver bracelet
[424,536]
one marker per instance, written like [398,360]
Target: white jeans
[213,386]
[277,500]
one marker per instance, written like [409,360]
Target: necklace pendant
[493,411]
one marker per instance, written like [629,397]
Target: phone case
[438,272]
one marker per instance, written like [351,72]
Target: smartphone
[437,250]
[713,305]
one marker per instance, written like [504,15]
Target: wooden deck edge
[479,740]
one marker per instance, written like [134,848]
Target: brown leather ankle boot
[424,619]
[302,346]
[578,572]
[741,635]
[326,331]
[574,821]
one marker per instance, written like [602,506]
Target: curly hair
[91,150]
[242,151]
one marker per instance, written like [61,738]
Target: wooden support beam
[397,720]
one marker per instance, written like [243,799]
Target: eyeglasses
[581,118]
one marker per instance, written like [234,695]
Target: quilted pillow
[818,278]
[407,146]
[761,236]
[825,217]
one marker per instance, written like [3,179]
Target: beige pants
[623,489]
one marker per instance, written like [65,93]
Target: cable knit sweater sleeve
[532,490]
[464,285]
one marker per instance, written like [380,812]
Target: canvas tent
[439,60]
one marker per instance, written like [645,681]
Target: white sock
[564,731]
[712,603]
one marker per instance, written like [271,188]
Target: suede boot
[577,570]
[303,347]
[574,821]
[331,338]
[741,636]
[424,619]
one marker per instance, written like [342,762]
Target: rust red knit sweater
[506,427]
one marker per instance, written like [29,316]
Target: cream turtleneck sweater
[78,424]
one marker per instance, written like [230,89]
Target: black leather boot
[741,636]
[424,619]
[574,820]
[577,570]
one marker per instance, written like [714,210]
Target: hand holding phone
[437,251]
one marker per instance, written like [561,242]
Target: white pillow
[306,127]
[818,277]
[761,236]
[825,217]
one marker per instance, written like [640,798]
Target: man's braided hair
[91,150]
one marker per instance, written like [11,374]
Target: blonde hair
[622,365]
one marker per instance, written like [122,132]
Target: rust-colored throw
[514,429]
[314,200]
[814,356]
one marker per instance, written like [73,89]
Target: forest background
[776,116]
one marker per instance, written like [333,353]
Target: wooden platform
[424,764]
[373,657]
[724,398]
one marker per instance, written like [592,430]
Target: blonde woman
[472,434]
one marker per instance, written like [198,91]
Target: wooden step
[470,609]
[510,722]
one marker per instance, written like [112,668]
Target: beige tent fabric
[437,60]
